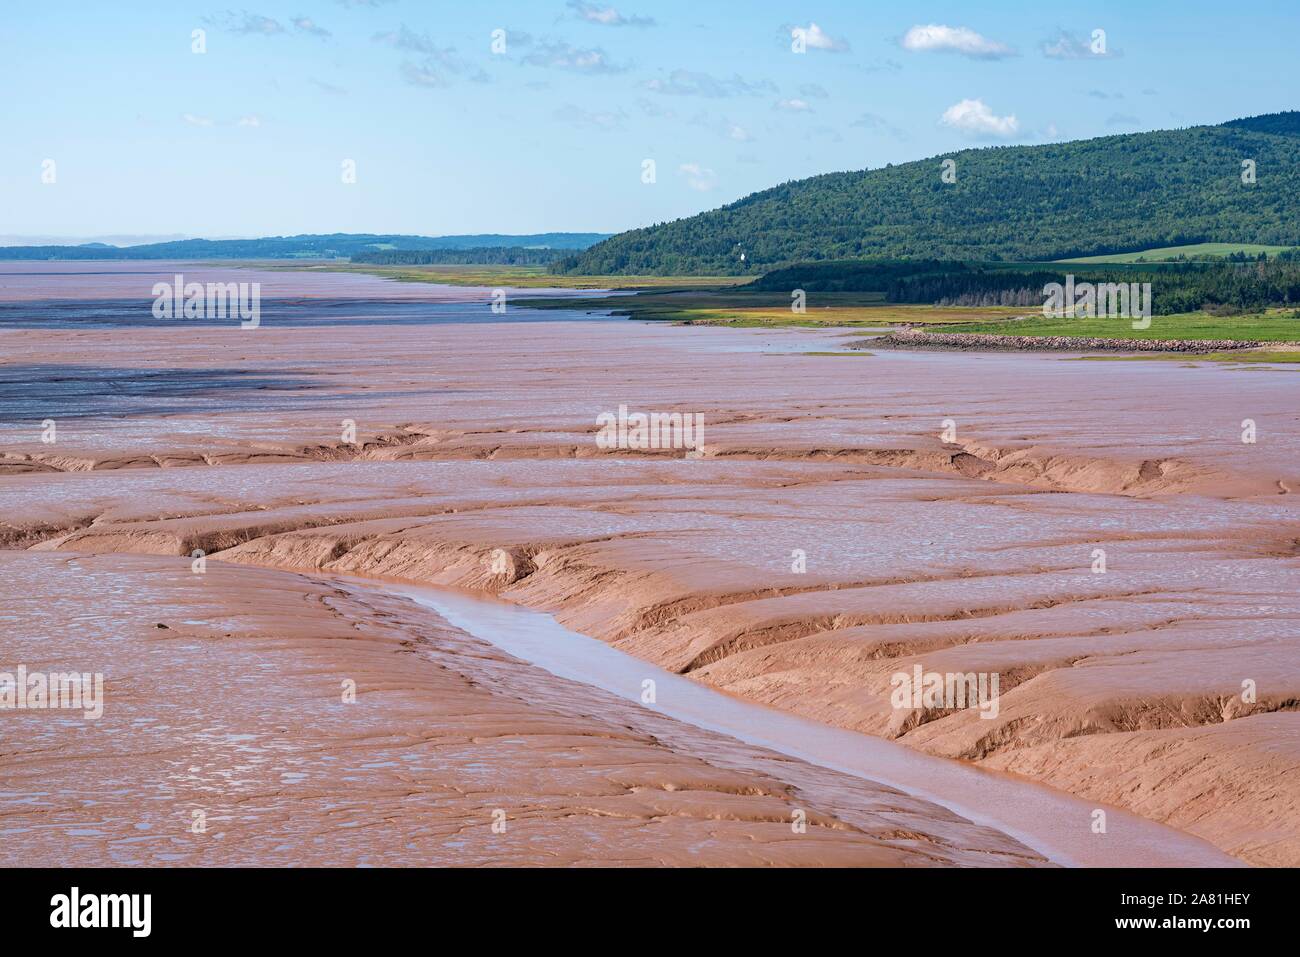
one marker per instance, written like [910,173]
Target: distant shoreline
[972,341]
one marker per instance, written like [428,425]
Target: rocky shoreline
[969,341]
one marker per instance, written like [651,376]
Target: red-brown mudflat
[827,538]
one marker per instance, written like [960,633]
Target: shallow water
[106,281]
[1051,822]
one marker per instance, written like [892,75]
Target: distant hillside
[299,247]
[477,256]
[1024,203]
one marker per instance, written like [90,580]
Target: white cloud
[691,83]
[308,25]
[404,38]
[698,177]
[255,24]
[936,38]
[251,120]
[607,16]
[815,38]
[435,63]
[564,56]
[423,74]
[737,132]
[192,120]
[251,24]
[793,105]
[723,126]
[974,118]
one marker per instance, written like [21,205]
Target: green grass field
[743,308]
[1195,251]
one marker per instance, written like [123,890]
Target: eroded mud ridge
[1097,535]
[228,737]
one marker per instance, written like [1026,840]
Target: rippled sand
[226,739]
[476,445]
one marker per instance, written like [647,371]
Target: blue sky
[249,138]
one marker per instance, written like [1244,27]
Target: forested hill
[1021,203]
